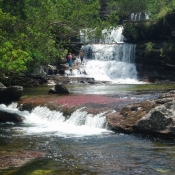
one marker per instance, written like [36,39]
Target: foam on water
[117,72]
[42,120]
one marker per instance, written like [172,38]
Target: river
[70,148]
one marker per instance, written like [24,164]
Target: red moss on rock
[71,100]
[17,159]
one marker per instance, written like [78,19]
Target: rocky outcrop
[155,61]
[157,117]
[160,119]
[129,116]
[10,94]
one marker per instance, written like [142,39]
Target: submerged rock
[18,158]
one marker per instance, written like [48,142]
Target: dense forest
[35,32]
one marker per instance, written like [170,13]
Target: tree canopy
[34,32]
[154,8]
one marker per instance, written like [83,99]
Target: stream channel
[87,150]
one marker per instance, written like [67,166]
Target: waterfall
[139,16]
[41,120]
[111,59]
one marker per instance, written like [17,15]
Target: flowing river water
[68,147]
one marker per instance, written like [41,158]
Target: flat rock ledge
[151,117]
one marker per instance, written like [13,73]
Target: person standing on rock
[69,59]
[81,56]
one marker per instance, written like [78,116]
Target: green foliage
[127,6]
[157,9]
[129,30]
[113,18]
[13,60]
[149,47]
[35,32]
[169,46]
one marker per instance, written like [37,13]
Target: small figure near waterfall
[69,59]
[81,56]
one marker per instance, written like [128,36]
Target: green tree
[37,30]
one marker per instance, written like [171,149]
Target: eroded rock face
[156,116]
[129,115]
[160,119]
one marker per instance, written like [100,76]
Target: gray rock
[59,89]
[156,116]
[160,119]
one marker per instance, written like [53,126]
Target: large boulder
[10,94]
[159,120]
[156,116]
[129,115]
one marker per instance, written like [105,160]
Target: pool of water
[103,89]
[108,153]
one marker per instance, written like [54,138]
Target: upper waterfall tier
[111,47]
[109,37]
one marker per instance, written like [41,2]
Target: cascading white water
[111,59]
[139,16]
[112,36]
[43,120]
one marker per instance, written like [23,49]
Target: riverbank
[77,75]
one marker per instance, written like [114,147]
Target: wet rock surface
[150,116]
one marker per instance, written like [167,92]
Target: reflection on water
[103,89]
